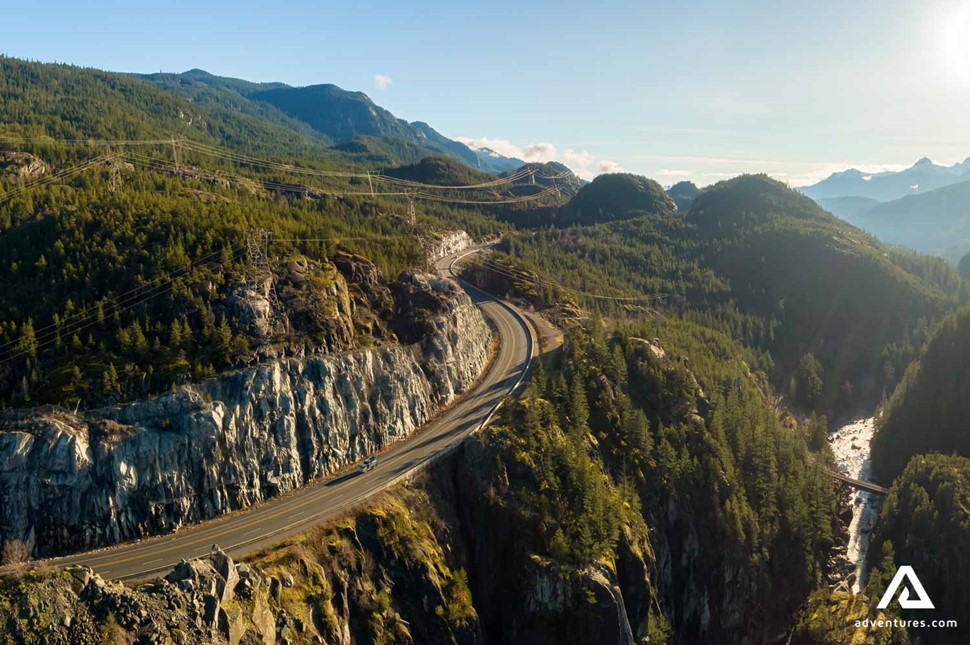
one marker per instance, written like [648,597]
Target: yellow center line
[312,496]
[318,492]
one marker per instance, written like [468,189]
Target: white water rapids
[850,443]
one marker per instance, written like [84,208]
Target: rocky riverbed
[850,444]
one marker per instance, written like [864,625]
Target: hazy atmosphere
[421,323]
[698,90]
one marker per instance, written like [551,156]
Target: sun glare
[954,45]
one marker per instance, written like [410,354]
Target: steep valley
[216,297]
[520,536]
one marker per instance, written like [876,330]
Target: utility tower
[259,274]
[257,255]
[114,174]
[412,218]
[175,153]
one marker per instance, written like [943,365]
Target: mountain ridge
[925,207]
[924,175]
[325,112]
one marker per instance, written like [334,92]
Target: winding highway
[248,530]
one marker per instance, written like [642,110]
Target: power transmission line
[511,273]
[51,331]
[49,141]
[44,180]
[159,164]
[177,143]
[257,262]
[38,346]
[370,177]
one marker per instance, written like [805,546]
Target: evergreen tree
[578,406]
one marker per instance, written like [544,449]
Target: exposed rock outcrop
[522,597]
[21,164]
[447,243]
[72,482]
[554,595]
[400,569]
[389,574]
[210,600]
[308,306]
[250,306]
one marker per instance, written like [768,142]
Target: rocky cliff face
[21,164]
[211,600]
[522,597]
[70,482]
[457,555]
[447,243]
[401,569]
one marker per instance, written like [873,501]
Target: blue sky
[674,90]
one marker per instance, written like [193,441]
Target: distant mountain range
[684,193]
[921,177]
[925,207]
[328,115]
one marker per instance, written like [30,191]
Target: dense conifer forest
[708,341]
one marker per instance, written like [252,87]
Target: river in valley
[850,443]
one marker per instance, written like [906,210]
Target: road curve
[248,530]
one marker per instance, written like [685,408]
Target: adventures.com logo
[922,600]
[906,572]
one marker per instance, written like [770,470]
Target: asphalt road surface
[248,530]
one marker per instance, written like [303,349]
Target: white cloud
[381,81]
[539,151]
[502,146]
[701,169]
[607,166]
[581,162]
[708,169]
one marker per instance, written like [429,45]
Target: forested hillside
[65,102]
[609,197]
[441,171]
[324,113]
[684,193]
[146,287]
[629,494]
[834,315]
[155,232]
[930,410]
[124,267]
[629,451]
[925,524]
[614,196]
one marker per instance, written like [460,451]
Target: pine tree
[223,341]
[579,407]
[28,340]
[109,380]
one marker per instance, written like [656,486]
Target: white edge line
[408,473]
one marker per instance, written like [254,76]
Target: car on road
[367,464]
